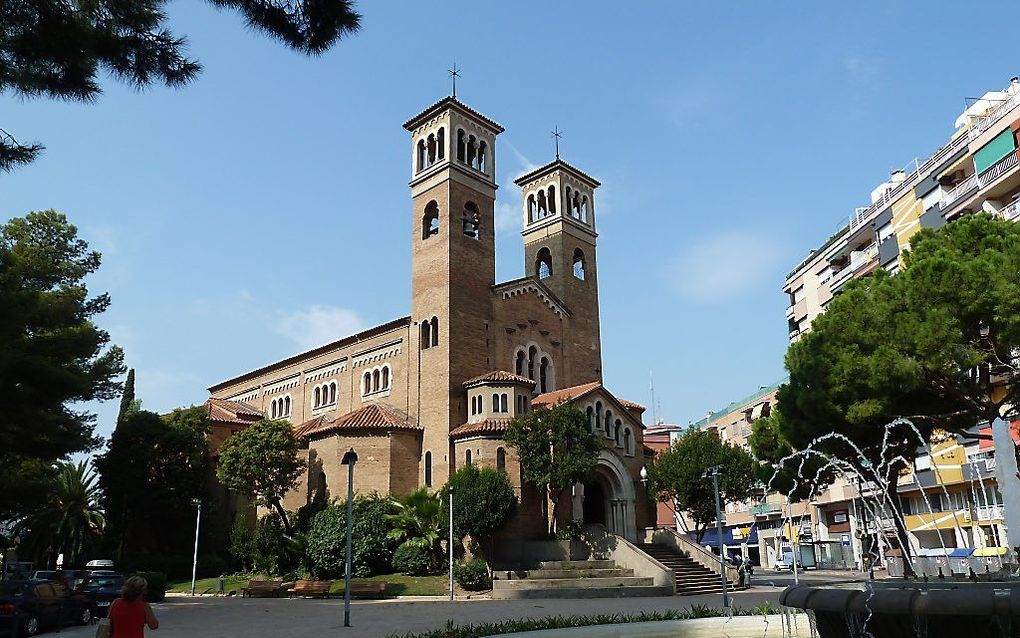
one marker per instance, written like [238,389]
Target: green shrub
[572,530]
[473,575]
[242,541]
[156,591]
[326,540]
[484,501]
[272,551]
[413,559]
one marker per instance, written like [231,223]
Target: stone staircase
[691,577]
[574,579]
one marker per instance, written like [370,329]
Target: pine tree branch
[13,153]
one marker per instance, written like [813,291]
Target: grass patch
[233,582]
[480,630]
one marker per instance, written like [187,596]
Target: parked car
[99,563]
[43,603]
[102,588]
[785,562]
[44,574]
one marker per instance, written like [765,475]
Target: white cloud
[526,165]
[318,324]
[508,217]
[724,266]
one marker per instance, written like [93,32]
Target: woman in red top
[129,614]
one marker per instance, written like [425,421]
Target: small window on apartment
[798,295]
[502,403]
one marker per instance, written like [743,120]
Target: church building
[424,394]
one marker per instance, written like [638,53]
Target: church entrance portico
[608,499]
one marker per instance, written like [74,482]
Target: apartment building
[975,170]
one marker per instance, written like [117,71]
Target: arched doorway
[608,499]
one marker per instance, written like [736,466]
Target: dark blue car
[29,605]
[102,588]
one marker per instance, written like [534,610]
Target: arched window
[461,146]
[543,209]
[576,205]
[628,441]
[543,375]
[552,199]
[430,158]
[495,402]
[428,469]
[519,363]
[472,225]
[286,405]
[532,354]
[482,156]
[472,151]
[421,155]
[367,389]
[598,413]
[608,426]
[435,331]
[500,459]
[543,264]
[578,264]
[272,409]
[618,433]
[531,208]
[591,422]
[430,220]
[318,397]
[426,334]
[502,403]
[332,392]
[441,142]
[467,457]
[375,381]
[386,378]
[584,208]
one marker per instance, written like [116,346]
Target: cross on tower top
[557,134]
[454,74]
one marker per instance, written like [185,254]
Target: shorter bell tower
[559,251]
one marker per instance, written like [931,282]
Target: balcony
[998,169]
[957,192]
[861,258]
[1011,212]
[764,509]
[994,115]
[989,513]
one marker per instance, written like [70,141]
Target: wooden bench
[262,588]
[371,589]
[314,588]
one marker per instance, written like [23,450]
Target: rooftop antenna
[454,74]
[651,386]
[557,134]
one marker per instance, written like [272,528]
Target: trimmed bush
[325,542]
[413,560]
[156,591]
[473,575]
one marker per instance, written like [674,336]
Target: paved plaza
[182,617]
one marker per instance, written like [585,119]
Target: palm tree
[71,520]
[418,521]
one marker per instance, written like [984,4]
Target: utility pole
[349,459]
[714,471]
[198,524]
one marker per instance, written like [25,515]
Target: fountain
[940,592]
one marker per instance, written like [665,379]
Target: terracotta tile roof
[631,405]
[225,411]
[553,165]
[370,417]
[550,399]
[499,376]
[452,101]
[488,426]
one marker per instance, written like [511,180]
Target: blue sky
[731,138]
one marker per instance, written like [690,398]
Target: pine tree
[127,399]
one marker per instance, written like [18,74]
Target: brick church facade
[421,395]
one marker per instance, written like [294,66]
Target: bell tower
[559,251]
[453,192]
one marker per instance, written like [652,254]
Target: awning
[961,552]
[990,551]
[935,551]
[756,412]
[952,168]
[745,534]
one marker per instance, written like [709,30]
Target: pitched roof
[550,399]
[630,405]
[454,102]
[499,376]
[553,165]
[373,416]
[226,411]
[487,426]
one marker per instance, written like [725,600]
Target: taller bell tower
[453,191]
[559,251]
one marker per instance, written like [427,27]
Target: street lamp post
[714,473]
[450,543]
[198,524]
[349,459]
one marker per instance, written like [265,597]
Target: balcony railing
[989,513]
[1011,212]
[958,191]
[860,258]
[994,115]
[998,169]
[764,508]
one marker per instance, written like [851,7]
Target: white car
[785,562]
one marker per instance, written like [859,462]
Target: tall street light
[450,542]
[349,459]
[714,473]
[198,524]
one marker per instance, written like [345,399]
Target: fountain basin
[910,608]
